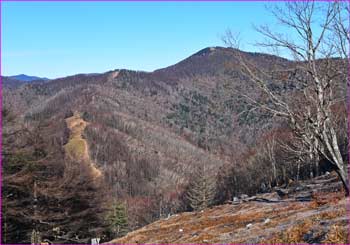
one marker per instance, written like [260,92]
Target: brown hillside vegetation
[148,133]
[304,216]
[45,192]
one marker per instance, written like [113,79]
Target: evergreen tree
[118,221]
[201,190]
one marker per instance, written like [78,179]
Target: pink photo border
[347,92]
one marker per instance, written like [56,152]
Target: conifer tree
[118,220]
[201,190]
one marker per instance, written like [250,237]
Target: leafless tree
[317,38]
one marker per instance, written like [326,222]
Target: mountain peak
[213,50]
[208,50]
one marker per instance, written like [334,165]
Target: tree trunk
[342,175]
[298,171]
[317,159]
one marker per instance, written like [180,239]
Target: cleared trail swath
[77,148]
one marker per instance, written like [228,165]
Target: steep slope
[313,212]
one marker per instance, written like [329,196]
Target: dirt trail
[77,148]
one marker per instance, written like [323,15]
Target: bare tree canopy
[319,47]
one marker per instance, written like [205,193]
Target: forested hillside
[154,137]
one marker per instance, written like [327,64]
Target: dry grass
[320,199]
[204,238]
[290,223]
[77,147]
[294,234]
[337,235]
[332,214]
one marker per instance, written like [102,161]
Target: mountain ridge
[202,52]
[27,78]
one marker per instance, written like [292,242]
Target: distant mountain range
[18,80]
[26,78]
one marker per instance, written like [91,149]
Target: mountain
[137,139]
[8,82]
[185,99]
[19,80]
[26,78]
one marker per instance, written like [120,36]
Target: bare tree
[319,48]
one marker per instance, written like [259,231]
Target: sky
[56,39]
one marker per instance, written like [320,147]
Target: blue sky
[55,39]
